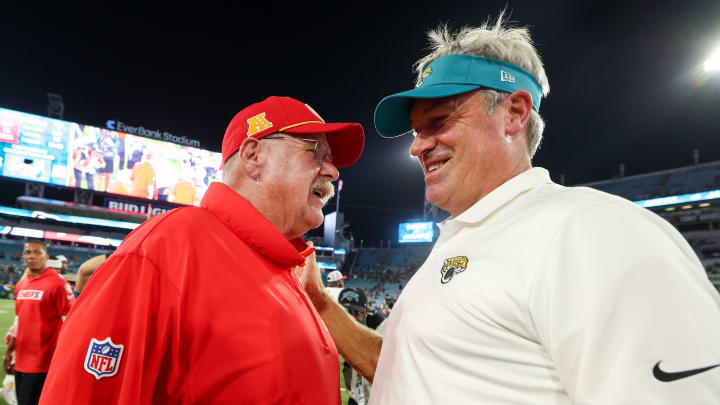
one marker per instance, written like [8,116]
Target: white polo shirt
[543,294]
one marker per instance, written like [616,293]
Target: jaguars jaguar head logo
[451,267]
[424,76]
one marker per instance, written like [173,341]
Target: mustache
[325,187]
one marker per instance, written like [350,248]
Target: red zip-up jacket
[198,305]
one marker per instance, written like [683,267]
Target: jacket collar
[47,272]
[248,224]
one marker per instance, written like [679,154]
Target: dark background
[626,79]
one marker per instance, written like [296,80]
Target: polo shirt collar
[501,196]
[248,224]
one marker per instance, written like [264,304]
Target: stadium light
[713,62]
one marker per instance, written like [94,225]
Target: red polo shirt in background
[198,305]
[40,305]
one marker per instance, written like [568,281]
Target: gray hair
[498,41]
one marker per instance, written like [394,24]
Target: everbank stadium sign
[149,133]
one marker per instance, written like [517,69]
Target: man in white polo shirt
[534,293]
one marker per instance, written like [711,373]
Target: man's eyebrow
[436,103]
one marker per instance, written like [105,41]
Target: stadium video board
[62,236]
[412,232]
[68,154]
[110,223]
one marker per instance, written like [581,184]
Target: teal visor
[451,75]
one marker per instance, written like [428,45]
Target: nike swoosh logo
[667,377]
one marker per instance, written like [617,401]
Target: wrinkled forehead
[423,107]
[320,137]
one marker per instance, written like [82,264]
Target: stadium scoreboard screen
[68,154]
[413,232]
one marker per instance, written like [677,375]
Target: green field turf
[343,394]
[7,314]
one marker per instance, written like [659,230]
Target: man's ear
[518,105]
[251,157]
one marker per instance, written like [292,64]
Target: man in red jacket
[200,305]
[42,300]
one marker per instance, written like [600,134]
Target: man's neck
[35,273]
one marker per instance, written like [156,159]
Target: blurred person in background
[534,293]
[141,332]
[59,263]
[121,183]
[86,269]
[376,320]
[138,150]
[143,178]
[184,191]
[80,158]
[355,303]
[63,264]
[335,283]
[43,299]
[7,391]
[106,147]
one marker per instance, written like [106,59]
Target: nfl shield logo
[103,358]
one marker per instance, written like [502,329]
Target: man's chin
[435,196]
[314,220]
[317,221]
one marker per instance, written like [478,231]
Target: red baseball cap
[290,116]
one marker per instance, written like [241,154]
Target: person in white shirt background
[335,284]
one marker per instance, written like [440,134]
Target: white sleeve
[618,291]
[12,331]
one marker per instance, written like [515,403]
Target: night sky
[627,84]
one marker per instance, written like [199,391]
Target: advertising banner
[150,209]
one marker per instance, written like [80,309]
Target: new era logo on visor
[506,77]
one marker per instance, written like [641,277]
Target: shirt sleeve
[618,295]
[12,331]
[63,298]
[132,305]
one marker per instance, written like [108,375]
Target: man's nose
[421,144]
[329,170]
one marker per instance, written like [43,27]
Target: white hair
[498,41]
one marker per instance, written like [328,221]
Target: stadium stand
[685,180]
[80,224]
[382,273]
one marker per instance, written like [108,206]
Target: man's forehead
[422,106]
[321,137]
[306,136]
[428,104]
